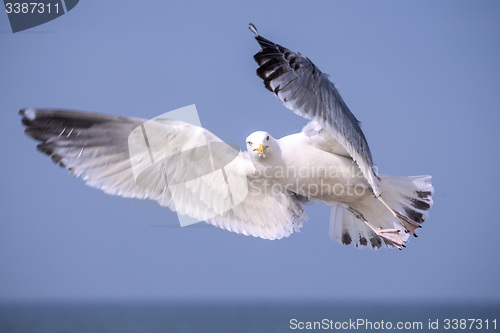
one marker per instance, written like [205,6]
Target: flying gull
[329,161]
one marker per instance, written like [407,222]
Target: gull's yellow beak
[261,150]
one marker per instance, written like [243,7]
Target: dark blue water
[269,317]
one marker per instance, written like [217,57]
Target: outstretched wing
[305,90]
[171,169]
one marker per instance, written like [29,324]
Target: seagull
[259,192]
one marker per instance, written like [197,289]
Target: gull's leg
[391,235]
[408,225]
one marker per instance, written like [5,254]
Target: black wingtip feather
[45,148]
[264,42]
[267,84]
[48,149]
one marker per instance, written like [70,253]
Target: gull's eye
[267,139]
[249,143]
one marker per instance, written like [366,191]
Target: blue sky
[422,76]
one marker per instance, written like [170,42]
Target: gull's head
[261,145]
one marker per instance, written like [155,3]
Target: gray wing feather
[305,90]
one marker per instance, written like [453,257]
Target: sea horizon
[246,316]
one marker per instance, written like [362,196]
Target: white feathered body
[312,164]
[319,174]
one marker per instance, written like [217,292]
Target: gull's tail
[387,220]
